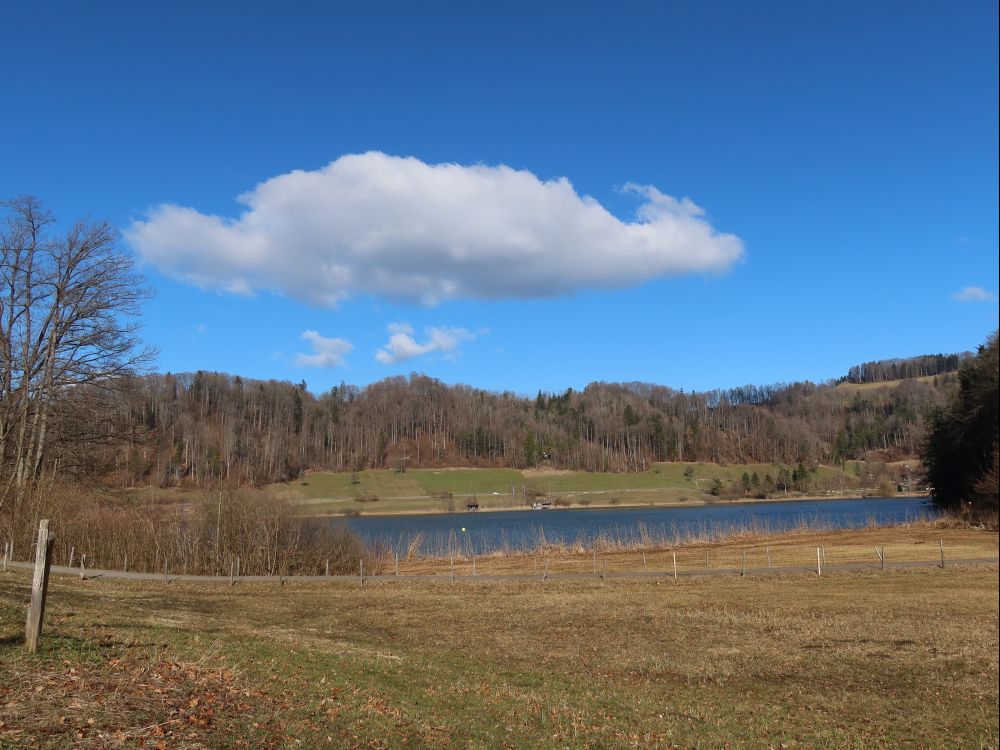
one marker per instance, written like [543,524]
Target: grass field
[429,490]
[868,659]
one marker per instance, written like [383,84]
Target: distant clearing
[847,387]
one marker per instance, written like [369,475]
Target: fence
[545,564]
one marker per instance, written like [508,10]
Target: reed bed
[221,532]
[411,544]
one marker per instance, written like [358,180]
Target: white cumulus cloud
[403,346]
[327,352]
[410,231]
[973,294]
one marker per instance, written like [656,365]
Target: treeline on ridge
[884,370]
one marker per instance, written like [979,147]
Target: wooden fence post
[644,561]
[675,565]
[819,567]
[6,551]
[743,564]
[361,567]
[941,542]
[39,586]
[83,566]
[327,568]
[72,553]
[232,572]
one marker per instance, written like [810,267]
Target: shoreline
[618,506]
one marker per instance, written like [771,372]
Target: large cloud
[403,229]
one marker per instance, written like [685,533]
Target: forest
[207,429]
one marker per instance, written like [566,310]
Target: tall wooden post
[39,586]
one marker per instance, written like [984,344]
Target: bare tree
[68,320]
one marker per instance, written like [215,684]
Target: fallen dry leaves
[132,701]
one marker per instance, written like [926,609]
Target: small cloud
[973,294]
[200,328]
[326,352]
[403,346]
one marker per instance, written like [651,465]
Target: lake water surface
[483,532]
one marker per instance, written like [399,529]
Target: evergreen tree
[961,446]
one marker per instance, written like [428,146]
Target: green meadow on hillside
[429,490]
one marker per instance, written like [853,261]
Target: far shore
[354,513]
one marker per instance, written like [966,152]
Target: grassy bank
[862,659]
[448,490]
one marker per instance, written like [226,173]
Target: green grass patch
[468,481]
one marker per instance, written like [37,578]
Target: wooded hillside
[205,428]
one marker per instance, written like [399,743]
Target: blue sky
[844,157]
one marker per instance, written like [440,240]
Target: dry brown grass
[916,542]
[862,659]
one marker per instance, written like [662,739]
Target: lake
[482,532]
